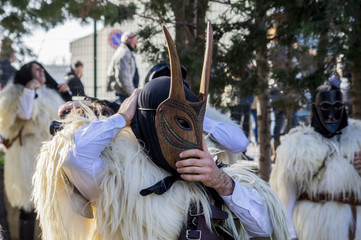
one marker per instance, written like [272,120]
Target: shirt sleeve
[84,165]
[231,138]
[246,204]
[26,104]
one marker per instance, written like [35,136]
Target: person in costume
[27,106]
[146,173]
[317,172]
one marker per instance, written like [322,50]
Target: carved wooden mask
[179,123]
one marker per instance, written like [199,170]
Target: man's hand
[199,166]
[63,87]
[33,84]
[357,160]
[129,106]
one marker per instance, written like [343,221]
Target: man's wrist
[226,185]
[127,121]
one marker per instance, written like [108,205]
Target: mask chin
[332,127]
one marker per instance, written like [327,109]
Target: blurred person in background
[27,106]
[317,174]
[7,71]
[73,79]
[122,73]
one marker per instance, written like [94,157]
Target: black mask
[329,114]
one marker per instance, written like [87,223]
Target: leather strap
[352,228]
[348,198]
[197,229]
[9,142]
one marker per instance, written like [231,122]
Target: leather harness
[196,227]
[347,198]
[9,142]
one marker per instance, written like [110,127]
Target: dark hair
[78,64]
[25,75]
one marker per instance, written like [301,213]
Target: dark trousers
[241,115]
[26,225]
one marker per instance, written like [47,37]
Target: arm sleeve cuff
[247,205]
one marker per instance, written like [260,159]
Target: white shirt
[231,138]
[26,104]
[84,167]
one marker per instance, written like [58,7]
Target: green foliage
[20,17]
[189,33]
[2,159]
[6,48]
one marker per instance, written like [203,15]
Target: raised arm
[84,165]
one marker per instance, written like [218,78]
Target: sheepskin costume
[121,212]
[19,160]
[317,165]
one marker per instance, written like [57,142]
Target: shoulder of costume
[352,130]
[9,101]
[12,88]
[302,148]
[354,123]
[350,139]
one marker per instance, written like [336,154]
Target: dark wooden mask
[179,123]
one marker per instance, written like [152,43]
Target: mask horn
[176,91]
[206,71]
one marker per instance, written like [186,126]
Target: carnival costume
[314,174]
[140,195]
[25,136]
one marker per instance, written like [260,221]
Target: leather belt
[348,198]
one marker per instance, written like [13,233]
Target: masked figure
[224,137]
[315,175]
[27,106]
[146,173]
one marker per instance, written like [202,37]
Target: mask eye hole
[325,106]
[183,123]
[338,105]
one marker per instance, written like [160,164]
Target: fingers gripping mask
[179,123]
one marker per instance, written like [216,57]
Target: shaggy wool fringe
[121,212]
[19,160]
[52,193]
[310,163]
[273,206]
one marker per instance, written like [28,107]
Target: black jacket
[75,84]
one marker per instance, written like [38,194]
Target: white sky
[53,47]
